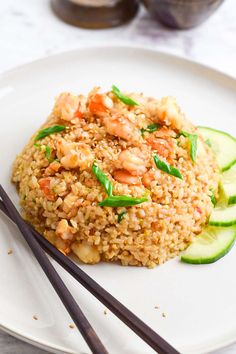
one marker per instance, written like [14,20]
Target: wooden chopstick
[67,299]
[122,312]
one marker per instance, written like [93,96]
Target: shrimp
[169,113]
[64,148]
[124,176]
[74,155]
[67,107]
[161,146]
[122,127]
[100,104]
[64,231]
[148,178]
[71,160]
[132,160]
[53,168]
[44,184]
[82,159]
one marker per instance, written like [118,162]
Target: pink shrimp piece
[64,231]
[148,178]
[100,104]
[169,113]
[162,146]
[74,155]
[67,107]
[121,127]
[53,168]
[125,177]
[44,184]
[132,160]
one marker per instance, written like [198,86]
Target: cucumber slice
[222,144]
[211,245]
[223,216]
[228,185]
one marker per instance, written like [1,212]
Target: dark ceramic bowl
[182,14]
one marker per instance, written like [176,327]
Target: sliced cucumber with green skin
[223,216]
[211,245]
[222,144]
[228,185]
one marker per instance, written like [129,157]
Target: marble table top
[29,30]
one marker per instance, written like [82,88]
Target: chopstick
[123,313]
[67,299]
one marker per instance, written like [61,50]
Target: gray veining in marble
[29,30]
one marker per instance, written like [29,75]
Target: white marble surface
[29,30]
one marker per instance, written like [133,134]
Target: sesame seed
[72,325]
[156,307]
[163,314]
[35,317]
[105,312]
[9,252]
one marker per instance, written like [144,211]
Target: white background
[29,30]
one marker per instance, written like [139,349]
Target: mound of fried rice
[59,192]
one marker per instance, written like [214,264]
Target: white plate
[199,301]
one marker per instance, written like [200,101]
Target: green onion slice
[121,200]
[193,143]
[125,99]
[48,153]
[48,131]
[121,216]
[150,128]
[165,167]
[213,198]
[102,178]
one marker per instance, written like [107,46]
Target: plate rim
[34,342]
[122,46]
[119,46]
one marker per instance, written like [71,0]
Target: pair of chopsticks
[38,245]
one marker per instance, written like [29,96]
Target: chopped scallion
[48,131]
[213,198]
[125,99]
[150,128]
[121,200]
[193,143]
[165,167]
[102,178]
[38,146]
[121,216]
[48,153]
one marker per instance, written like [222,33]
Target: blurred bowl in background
[87,14]
[182,14]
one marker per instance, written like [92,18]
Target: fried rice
[60,193]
